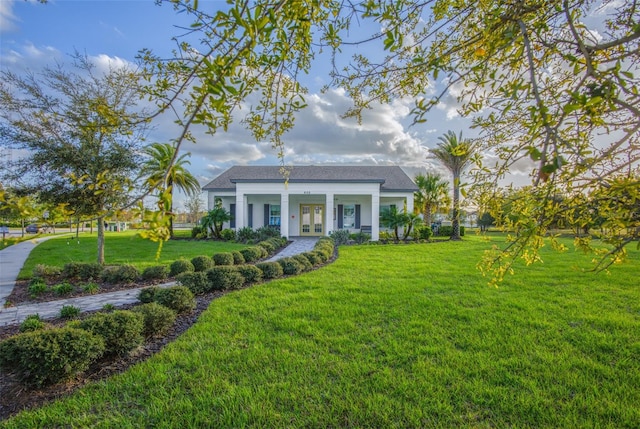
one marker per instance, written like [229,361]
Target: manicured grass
[392,336]
[120,248]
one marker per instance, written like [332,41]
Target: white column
[375,216]
[284,214]
[328,216]
[410,204]
[240,202]
[211,200]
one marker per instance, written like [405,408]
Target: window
[349,216]
[274,215]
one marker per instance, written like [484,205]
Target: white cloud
[7,17]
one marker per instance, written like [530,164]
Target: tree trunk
[101,240]
[455,224]
[427,215]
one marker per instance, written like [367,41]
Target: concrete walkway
[13,257]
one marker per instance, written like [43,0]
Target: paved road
[13,257]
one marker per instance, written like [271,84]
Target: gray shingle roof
[391,178]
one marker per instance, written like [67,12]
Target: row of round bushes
[87,271]
[41,355]
[229,277]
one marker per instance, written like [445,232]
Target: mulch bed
[15,396]
[20,293]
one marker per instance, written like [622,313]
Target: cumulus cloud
[8,20]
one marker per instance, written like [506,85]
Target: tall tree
[165,170]
[554,84]
[433,192]
[455,154]
[80,129]
[195,207]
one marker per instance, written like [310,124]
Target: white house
[315,200]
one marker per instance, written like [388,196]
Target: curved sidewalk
[14,260]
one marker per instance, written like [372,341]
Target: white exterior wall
[291,196]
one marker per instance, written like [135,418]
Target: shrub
[36,287]
[360,237]
[447,230]
[180,266]
[178,298]
[251,254]
[51,355]
[340,236]
[196,281]
[198,232]
[322,257]
[238,259]
[224,277]
[223,258]
[302,260]
[228,234]
[424,232]
[251,273]
[270,270]
[148,294]
[120,274]
[157,318]
[32,323]
[290,266]
[108,307]
[89,270]
[91,288]
[42,270]
[69,312]
[312,257]
[245,235]
[268,246]
[202,263]
[71,270]
[265,232]
[120,329]
[63,288]
[157,272]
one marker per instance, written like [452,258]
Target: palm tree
[164,169]
[455,153]
[432,193]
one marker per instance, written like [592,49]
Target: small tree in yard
[80,131]
[215,218]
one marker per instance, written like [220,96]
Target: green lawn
[120,248]
[392,336]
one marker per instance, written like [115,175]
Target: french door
[312,219]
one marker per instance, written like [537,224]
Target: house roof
[391,178]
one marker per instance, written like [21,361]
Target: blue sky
[33,35]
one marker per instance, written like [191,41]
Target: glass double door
[312,219]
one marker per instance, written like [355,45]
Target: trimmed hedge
[312,257]
[178,298]
[302,260]
[121,330]
[290,266]
[157,272]
[157,318]
[224,277]
[223,258]
[197,282]
[82,270]
[51,355]
[148,294]
[270,270]
[251,273]
[120,274]
[268,246]
[238,259]
[202,263]
[180,266]
[252,254]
